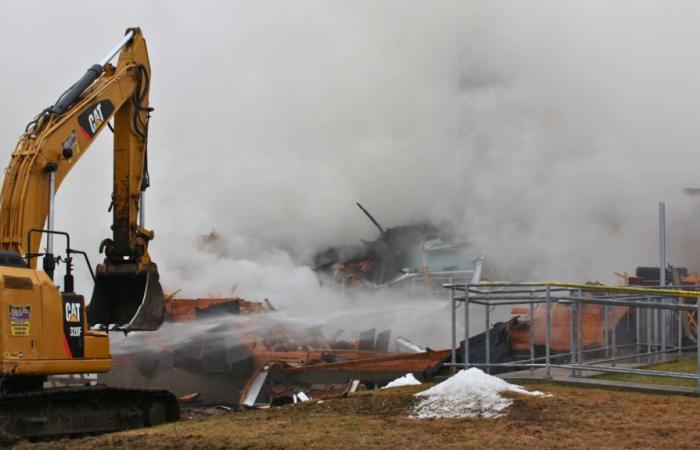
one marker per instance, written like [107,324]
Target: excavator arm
[127,291]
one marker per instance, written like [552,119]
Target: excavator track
[75,411]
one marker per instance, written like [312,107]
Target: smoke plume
[547,132]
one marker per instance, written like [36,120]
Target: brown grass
[573,418]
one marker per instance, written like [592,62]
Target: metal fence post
[680,326]
[453,305]
[487,356]
[650,313]
[548,332]
[637,331]
[605,331]
[657,326]
[661,314]
[531,334]
[697,342]
[579,313]
[466,326]
[614,332]
[572,337]
[663,318]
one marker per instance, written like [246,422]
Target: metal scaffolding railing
[655,319]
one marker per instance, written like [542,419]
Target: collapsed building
[418,257]
[236,351]
[233,351]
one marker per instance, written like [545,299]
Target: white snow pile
[469,393]
[406,380]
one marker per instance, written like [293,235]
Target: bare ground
[587,418]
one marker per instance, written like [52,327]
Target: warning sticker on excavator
[20,318]
[71,147]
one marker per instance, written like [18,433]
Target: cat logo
[92,119]
[96,118]
[73,312]
[73,338]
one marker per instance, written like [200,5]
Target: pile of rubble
[232,351]
[418,257]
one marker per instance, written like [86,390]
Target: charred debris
[419,257]
[241,356]
[241,353]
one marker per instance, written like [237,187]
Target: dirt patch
[587,418]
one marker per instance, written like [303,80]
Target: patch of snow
[468,393]
[406,380]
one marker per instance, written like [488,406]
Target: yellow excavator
[47,330]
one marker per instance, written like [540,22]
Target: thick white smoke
[546,131]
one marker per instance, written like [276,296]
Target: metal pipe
[548,332]
[52,208]
[649,327]
[487,356]
[453,305]
[637,331]
[531,334]
[656,340]
[572,337]
[605,330]
[117,48]
[480,301]
[526,288]
[493,297]
[593,350]
[680,375]
[621,358]
[579,318]
[662,270]
[680,328]
[142,209]
[621,302]
[663,318]
[697,340]
[614,334]
[553,285]
[466,326]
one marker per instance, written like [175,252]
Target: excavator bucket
[132,300]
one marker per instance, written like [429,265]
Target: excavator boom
[127,290]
